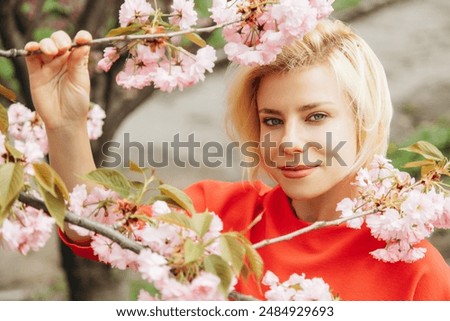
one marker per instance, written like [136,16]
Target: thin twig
[315,226]
[12,53]
[104,230]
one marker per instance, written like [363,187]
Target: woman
[321,111]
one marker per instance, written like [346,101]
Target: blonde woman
[320,112]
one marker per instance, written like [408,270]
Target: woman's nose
[292,141]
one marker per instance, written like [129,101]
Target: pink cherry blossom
[224,11]
[145,296]
[296,288]
[443,219]
[28,229]
[323,7]
[99,205]
[152,266]
[160,208]
[110,55]
[183,14]
[401,211]
[348,207]
[134,11]
[204,61]
[95,122]
[205,287]
[314,289]
[18,114]
[399,251]
[134,76]
[174,290]
[265,27]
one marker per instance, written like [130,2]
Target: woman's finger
[62,41]
[33,62]
[48,47]
[83,37]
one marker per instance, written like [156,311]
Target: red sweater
[337,254]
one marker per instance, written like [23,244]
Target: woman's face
[307,131]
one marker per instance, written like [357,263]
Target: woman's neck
[323,207]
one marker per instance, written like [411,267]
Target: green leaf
[8,93]
[4,122]
[426,169]
[49,180]
[178,196]
[111,179]
[16,154]
[55,205]
[178,219]
[254,259]
[232,251]
[11,184]
[195,38]
[202,7]
[419,163]
[137,185]
[192,251]
[135,168]
[216,265]
[164,198]
[124,30]
[201,223]
[216,39]
[426,149]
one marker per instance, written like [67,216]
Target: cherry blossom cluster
[255,32]
[26,131]
[25,229]
[404,212]
[160,61]
[163,261]
[296,288]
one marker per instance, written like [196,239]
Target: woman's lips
[297,171]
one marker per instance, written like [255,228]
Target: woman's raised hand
[59,79]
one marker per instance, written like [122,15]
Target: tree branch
[13,53]
[96,227]
[315,226]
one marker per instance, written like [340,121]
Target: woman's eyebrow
[269,111]
[301,108]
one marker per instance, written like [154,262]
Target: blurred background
[409,36]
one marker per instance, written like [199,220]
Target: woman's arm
[60,87]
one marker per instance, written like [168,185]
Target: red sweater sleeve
[84,251]
[433,283]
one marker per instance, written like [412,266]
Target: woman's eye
[317,117]
[272,121]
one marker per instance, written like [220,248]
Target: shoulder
[208,192]
[235,202]
[433,276]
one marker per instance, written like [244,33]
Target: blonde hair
[358,71]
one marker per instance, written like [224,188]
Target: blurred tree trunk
[22,21]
